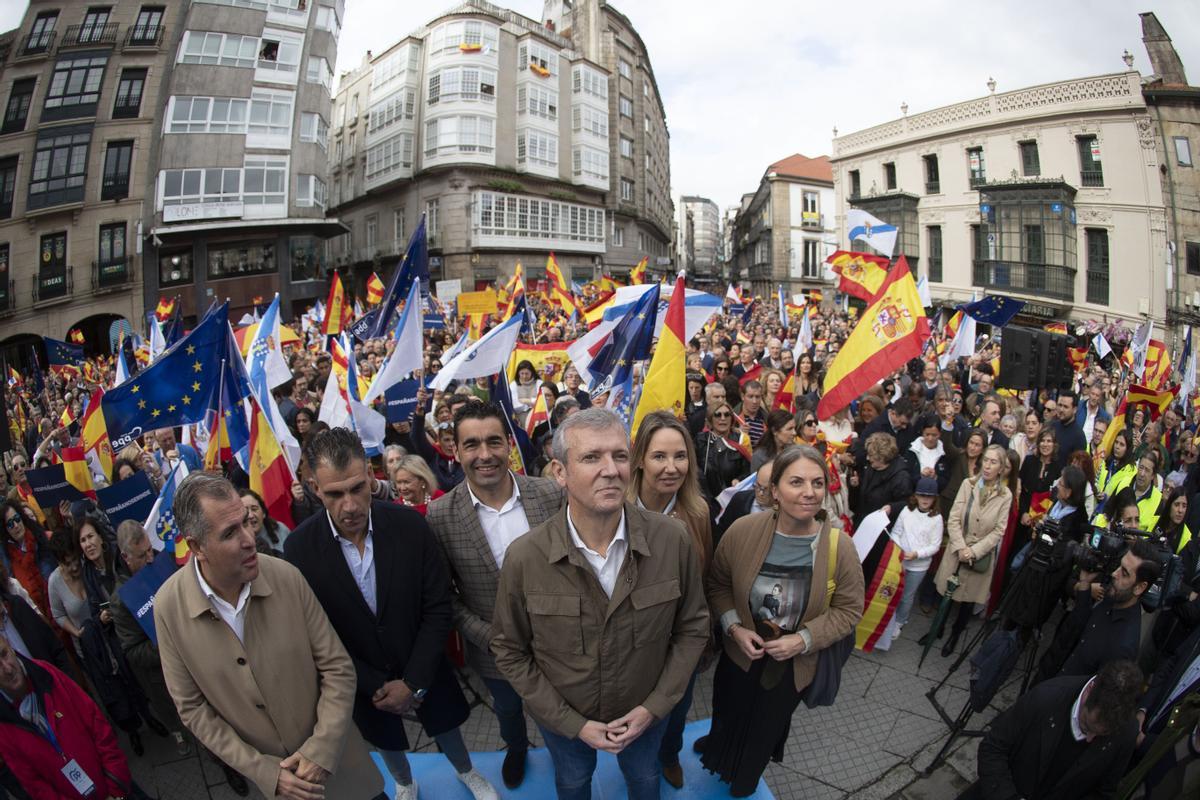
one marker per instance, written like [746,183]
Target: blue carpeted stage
[437,781]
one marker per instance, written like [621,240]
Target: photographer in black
[1106,623]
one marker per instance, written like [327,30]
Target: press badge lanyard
[71,769]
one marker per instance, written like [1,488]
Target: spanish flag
[1040,504]
[270,475]
[1059,328]
[166,307]
[560,289]
[1156,401]
[1157,365]
[375,289]
[861,275]
[892,330]
[665,387]
[637,275]
[1078,357]
[884,574]
[75,335]
[94,433]
[337,310]
[594,312]
[516,291]
[76,471]
[539,413]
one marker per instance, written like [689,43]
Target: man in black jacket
[378,574]
[1067,428]
[1108,630]
[1067,738]
[893,421]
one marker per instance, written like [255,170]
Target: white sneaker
[479,786]
[406,792]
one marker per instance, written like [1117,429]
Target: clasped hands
[301,779]
[615,736]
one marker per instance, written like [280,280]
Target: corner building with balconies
[1049,194]
[507,134]
[79,89]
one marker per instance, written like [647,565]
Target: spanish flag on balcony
[375,289]
[861,275]
[637,275]
[538,69]
[470,47]
[892,330]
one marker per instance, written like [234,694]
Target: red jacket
[82,732]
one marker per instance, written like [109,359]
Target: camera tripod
[1032,578]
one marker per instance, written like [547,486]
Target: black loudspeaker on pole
[1033,359]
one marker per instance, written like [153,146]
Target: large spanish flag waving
[665,387]
[337,310]
[1156,403]
[375,290]
[270,474]
[637,275]
[94,433]
[560,289]
[861,274]
[891,331]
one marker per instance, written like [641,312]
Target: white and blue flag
[872,230]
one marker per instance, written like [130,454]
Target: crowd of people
[589,586]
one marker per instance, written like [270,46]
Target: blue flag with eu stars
[994,309]
[177,389]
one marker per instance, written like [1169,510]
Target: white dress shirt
[362,565]
[234,616]
[504,526]
[606,567]
[1076,730]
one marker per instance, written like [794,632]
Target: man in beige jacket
[254,667]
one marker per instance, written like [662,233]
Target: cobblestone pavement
[872,744]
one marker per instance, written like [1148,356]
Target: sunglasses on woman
[722,415]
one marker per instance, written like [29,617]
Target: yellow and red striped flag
[637,275]
[94,434]
[861,275]
[337,310]
[76,471]
[75,335]
[1040,504]
[165,308]
[375,290]
[539,413]
[270,475]
[1056,327]
[1156,402]
[892,330]
[665,387]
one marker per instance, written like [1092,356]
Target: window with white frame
[207,115]
[390,156]
[625,106]
[585,80]
[319,72]
[279,56]
[224,49]
[625,68]
[270,118]
[538,102]
[288,12]
[353,109]
[431,218]
[531,53]
[398,224]
[590,162]
[76,81]
[265,182]
[393,66]
[191,186]
[626,147]
[327,20]
[462,83]
[464,134]
[585,119]
[310,191]
[372,229]
[646,89]
[400,107]
[647,124]
[618,235]
[314,128]
[257,5]
[339,116]
[469,34]
[519,216]
[627,188]
[536,147]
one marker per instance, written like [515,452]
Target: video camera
[1102,552]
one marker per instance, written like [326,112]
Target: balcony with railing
[812,221]
[37,44]
[113,275]
[144,37]
[53,287]
[8,297]
[90,35]
[1044,280]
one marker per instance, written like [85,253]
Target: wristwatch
[418,694]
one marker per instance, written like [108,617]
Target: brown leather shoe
[513,769]
[674,775]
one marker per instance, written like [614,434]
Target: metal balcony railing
[1048,280]
[933,187]
[53,287]
[1091,177]
[148,36]
[38,44]
[112,275]
[89,35]
[812,222]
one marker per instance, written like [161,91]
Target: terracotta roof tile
[799,166]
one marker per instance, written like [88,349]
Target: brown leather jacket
[574,654]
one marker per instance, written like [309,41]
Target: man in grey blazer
[475,523]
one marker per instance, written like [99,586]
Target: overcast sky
[747,83]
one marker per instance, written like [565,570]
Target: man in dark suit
[376,570]
[894,421]
[1174,680]
[1067,428]
[1066,738]
[475,522]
